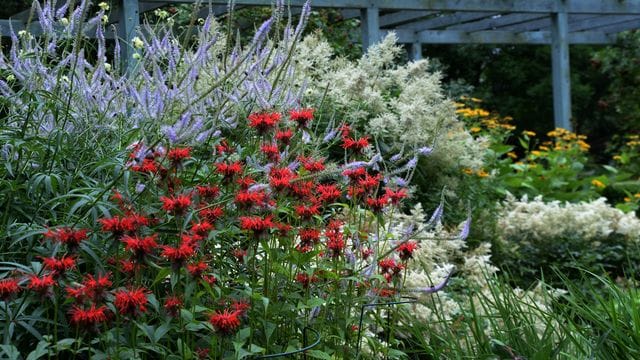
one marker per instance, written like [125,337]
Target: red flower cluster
[140,246]
[305,280]
[119,225]
[335,238]
[67,236]
[284,136]
[176,155]
[302,116]
[271,152]
[226,322]
[264,122]
[94,289]
[180,254]
[389,268]
[406,249]
[59,266]
[132,301]
[172,305]
[8,288]
[41,285]
[89,318]
[257,224]
[229,170]
[176,205]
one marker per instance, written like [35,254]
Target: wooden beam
[403,17]
[560,70]
[444,20]
[524,6]
[496,22]
[498,37]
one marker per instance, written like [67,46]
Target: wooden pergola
[557,23]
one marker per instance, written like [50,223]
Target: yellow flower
[543,148]
[636,195]
[475,129]
[627,199]
[476,100]
[512,155]
[481,173]
[458,105]
[536,153]
[507,118]
[467,171]
[104,6]
[597,183]
[617,157]
[529,133]
[137,42]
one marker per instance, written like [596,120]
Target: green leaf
[317,354]
[40,350]
[10,351]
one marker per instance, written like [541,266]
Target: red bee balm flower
[263,122]
[127,224]
[328,193]
[406,249]
[212,214]
[176,205]
[96,288]
[271,152]
[208,192]
[8,288]
[284,136]
[307,211]
[172,305]
[229,170]
[89,318]
[226,322]
[140,246]
[178,255]
[67,236]
[176,155]
[256,224]
[395,195]
[59,266]
[355,145]
[42,284]
[132,301]
[196,270]
[302,116]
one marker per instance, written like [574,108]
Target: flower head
[131,301]
[264,122]
[8,288]
[89,318]
[302,116]
[226,322]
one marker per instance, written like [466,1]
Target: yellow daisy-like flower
[467,171]
[475,129]
[104,6]
[481,173]
[536,153]
[512,155]
[529,133]
[617,157]
[597,183]
[627,199]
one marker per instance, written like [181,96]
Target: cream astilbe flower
[539,220]
[403,104]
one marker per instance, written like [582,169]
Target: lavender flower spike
[262,31]
[425,150]
[433,289]
[465,228]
